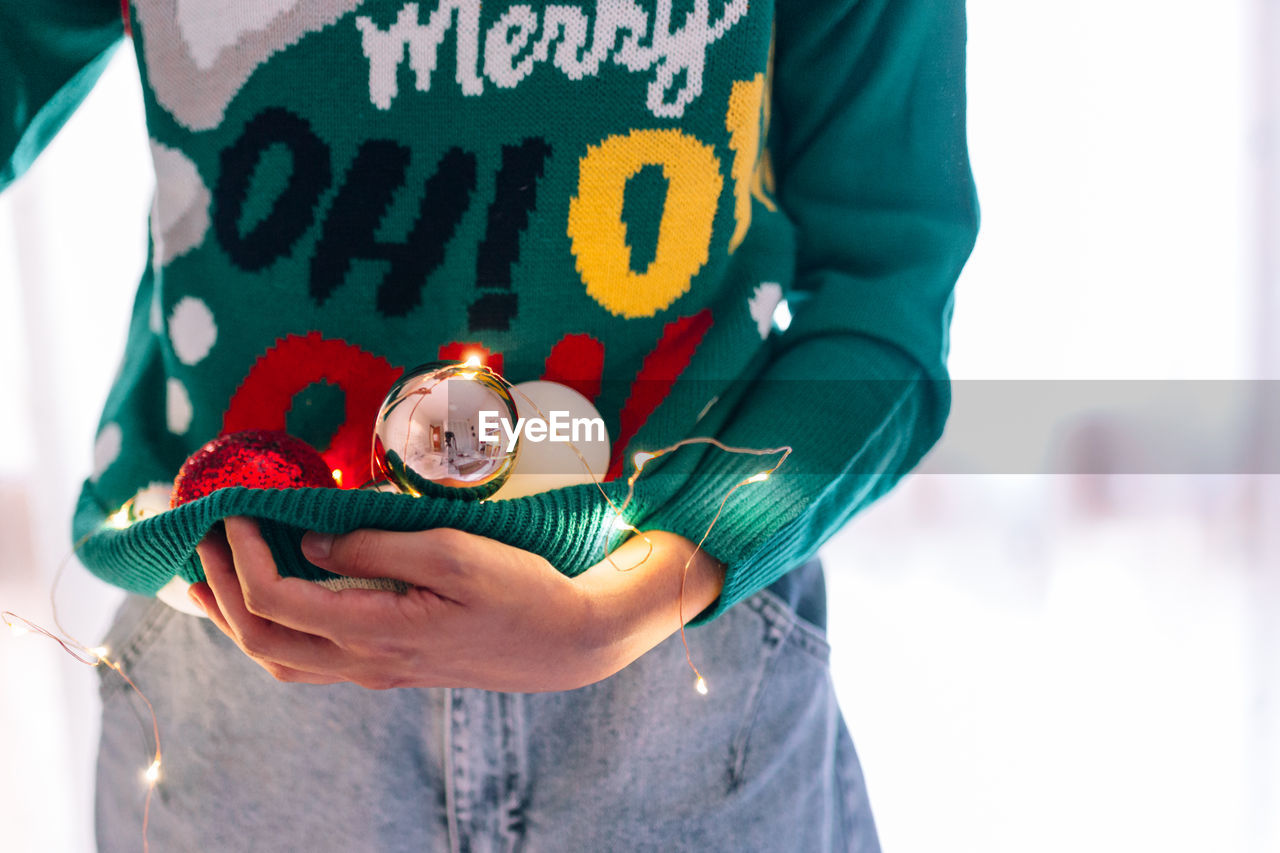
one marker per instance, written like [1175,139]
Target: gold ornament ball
[429,440]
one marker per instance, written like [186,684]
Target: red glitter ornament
[258,459]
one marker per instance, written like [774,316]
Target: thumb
[422,558]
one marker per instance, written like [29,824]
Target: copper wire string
[99,655]
[95,656]
[639,461]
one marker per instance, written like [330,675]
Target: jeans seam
[842,802]
[809,637]
[776,632]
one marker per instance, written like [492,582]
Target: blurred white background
[1027,662]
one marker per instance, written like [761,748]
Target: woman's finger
[297,603]
[203,596]
[261,638]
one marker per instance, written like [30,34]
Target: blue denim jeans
[639,761]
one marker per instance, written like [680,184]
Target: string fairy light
[124,517]
[645,457]
[639,460]
[473,366]
[98,655]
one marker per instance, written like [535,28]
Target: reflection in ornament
[380,486]
[428,439]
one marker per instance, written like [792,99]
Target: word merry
[620,31]
[561,428]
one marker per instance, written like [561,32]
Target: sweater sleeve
[871,164]
[51,54]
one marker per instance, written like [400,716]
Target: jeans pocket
[794,680]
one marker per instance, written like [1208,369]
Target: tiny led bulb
[621,523]
[640,458]
[152,775]
[100,652]
[701,685]
[119,519]
[473,360]
[759,478]
[337,476]
[18,630]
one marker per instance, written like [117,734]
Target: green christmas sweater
[611,194]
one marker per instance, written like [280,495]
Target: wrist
[634,600]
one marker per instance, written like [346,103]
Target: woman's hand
[478,613]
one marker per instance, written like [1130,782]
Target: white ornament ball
[151,500]
[550,463]
[174,594]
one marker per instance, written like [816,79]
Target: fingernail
[192,594]
[317,546]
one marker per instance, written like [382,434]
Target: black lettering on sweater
[293,210]
[349,229]
[515,197]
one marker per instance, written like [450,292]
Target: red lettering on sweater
[292,364]
[577,362]
[657,375]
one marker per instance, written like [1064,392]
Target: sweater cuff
[851,445]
